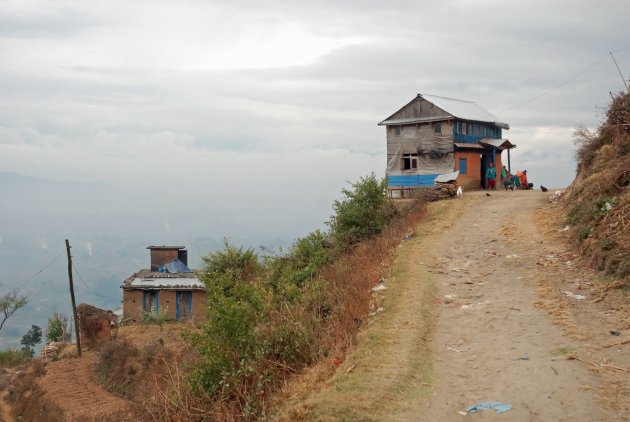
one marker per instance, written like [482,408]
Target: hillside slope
[598,201]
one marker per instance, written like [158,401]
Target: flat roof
[166,247]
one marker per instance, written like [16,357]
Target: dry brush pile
[598,201]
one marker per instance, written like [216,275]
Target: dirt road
[476,311]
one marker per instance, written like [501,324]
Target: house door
[183,305]
[150,301]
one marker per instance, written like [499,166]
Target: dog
[544,189]
[460,192]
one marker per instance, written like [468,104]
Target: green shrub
[156,318]
[305,258]
[607,243]
[10,358]
[243,264]
[55,329]
[364,211]
[584,232]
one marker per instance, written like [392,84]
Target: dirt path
[492,343]
[475,312]
[69,386]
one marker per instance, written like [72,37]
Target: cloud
[217,90]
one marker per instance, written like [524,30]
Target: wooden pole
[74,305]
[619,70]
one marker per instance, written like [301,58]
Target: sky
[278,100]
[246,118]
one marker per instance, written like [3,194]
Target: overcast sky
[274,105]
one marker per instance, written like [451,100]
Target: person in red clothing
[491,177]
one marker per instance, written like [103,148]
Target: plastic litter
[524,357]
[379,287]
[511,256]
[498,406]
[574,296]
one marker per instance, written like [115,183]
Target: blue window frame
[183,305]
[150,301]
[463,166]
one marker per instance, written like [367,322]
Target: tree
[9,303]
[57,327]
[31,338]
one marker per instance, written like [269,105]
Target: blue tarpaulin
[499,407]
[177,266]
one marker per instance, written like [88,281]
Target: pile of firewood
[439,192]
[51,350]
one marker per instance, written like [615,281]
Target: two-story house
[433,135]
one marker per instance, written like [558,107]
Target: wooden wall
[411,134]
[419,107]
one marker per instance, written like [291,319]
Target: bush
[268,320]
[156,318]
[305,258]
[363,212]
[242,264]
[57,327]
[10,358]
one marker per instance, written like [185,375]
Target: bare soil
[487,304]
[68,391]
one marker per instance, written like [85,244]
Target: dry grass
[598,201]
[392,361]
[352,276]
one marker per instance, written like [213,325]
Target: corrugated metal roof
[467,110]
[448,177]
[166,283]
[465,145]
[497,143]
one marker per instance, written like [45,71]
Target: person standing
[504,174]
[491,176]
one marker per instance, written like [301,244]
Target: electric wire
[21,284]
[96,293]
[571,79]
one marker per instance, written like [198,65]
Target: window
[410,161]
[464,127]
[437,128]
[397,130]
[150,301]
[463,166]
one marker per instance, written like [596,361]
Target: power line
[571,79]
[40,271]
[102,295]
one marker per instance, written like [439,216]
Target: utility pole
[619,70]
[74,305]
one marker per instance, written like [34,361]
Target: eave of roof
[412,120]
[460,109]
[497,143]
[469,146]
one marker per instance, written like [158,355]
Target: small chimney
[160,255]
